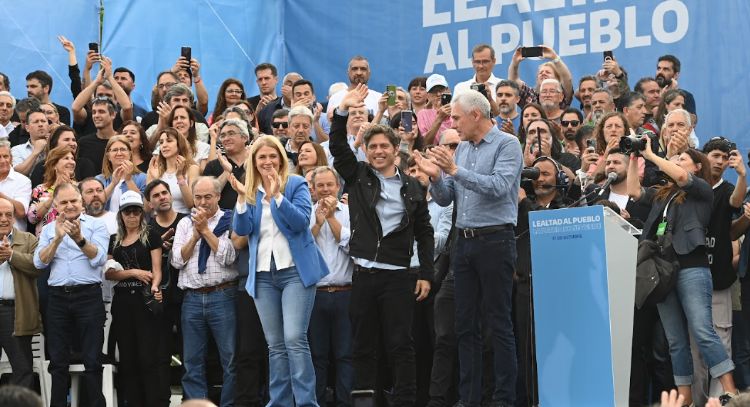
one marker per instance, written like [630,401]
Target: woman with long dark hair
[136,249]
[682,207]
[139,144]
[231,92]
[64,136]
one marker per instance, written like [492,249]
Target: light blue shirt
[335,254]
[440,219]
[69,265]
[485,187]
[390,210]
[358,152]
[7,288]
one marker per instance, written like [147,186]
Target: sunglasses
[133,210]
[283,125]
[568,123]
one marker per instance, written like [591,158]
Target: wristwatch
[81,243]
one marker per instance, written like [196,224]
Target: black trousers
[444,377]
[75,311]
[523,325]
[138,334]
[251,354]
[382,306]
[18,348]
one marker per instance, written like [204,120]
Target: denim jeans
[688,306]
[75,311]
[284,307]
[331,334]
[203,313]
[485,281]
[741,337]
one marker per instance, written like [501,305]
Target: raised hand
[66,44]
[426,165]
[355,97]
[237,186]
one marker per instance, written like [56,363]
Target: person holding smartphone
[433,121]
[554,68]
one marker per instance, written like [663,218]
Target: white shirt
[620,200]
[110,221]
[3,133]
[7,289]
[466,85]
[335,254]
[371,101]
[272,242]
[178,203]
[359,153]
[18,187]
[220,267]
[21,152]
[9,127]
[201,151]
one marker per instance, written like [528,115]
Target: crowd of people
[361,247]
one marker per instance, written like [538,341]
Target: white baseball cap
[131,198]
[436,80]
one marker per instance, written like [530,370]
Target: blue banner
[402,40]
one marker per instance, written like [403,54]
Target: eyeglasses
[549,92]
[481,61]
[283,125]
[234,91]
[568,123]
[166,85]
[119,150]
[452,146]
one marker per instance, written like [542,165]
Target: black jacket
[367,240]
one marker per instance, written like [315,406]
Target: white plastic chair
[38,365]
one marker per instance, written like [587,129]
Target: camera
[529,174]
[632,144]
[479,87]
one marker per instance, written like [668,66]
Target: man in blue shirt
[483,184]
[74,246]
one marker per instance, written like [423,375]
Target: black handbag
[657,267]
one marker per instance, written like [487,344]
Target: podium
[583,274]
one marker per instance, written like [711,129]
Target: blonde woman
[273,211]
[119,173]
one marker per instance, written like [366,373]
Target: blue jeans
[688,306]
[485,282]
[741,337]
[284,307]
[201,313]
[331,333]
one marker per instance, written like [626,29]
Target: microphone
[611,177]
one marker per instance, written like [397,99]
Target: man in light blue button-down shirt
[74,246]
[483,184]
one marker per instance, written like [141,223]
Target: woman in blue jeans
[683,206]
[273,210]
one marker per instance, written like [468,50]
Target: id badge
[661,229]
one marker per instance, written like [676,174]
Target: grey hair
[213,180]
[290,74]
[470,100]
[235,109]
[609,94]
[336,87]
[406,92]
[301,111]
[319,170]
[683,112]
[5,143]
[12,99]
[554,81]
[178,89]
[238,124]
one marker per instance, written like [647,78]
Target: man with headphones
[546,192]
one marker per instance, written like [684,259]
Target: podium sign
[583,274]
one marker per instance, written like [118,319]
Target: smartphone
[363,398]
[186,52]
[529,52]
[94,46]
[608,55]
[391,91]
[406,120]
[591,143]
[445,99]
[479,87]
